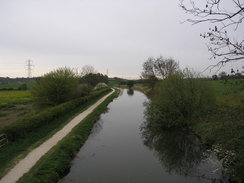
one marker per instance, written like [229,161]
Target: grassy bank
[11,153]
[56,163]
[223,128]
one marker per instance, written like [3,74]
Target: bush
[55,88]
[28,124]
[179,100]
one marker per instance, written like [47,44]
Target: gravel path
[31,159]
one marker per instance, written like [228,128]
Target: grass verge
[223,128]
[16,150]
[56,163]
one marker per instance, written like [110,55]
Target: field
[14,105]
[16,85]
[230,93]
[10,85]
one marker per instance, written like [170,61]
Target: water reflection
[180,152]
[115,151]
[130,92]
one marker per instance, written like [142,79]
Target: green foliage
[130,83]
[93,79]
[16,86]
[179,100]
[56,163]
[84,89]
[56,87]
[10,85]
[24,126]
[23,86]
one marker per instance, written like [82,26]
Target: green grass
[230,94]
[224,88]
[113,83]
[16,85]
[15,150]
[10,85]
[224,126]
[56,163]
[11,98]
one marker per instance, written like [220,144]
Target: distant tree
[165,66]
[130,84]
[214,77]
[222,75]
[23,86]
[159,68]
[149,70]
[93,79]
[56,87]
[223,15]
[88,69]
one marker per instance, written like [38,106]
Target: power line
[29,66]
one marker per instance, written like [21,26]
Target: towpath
[24,165]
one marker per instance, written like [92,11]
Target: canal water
[120,149]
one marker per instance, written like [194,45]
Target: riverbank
[56,163]
[222,129]
[18,148]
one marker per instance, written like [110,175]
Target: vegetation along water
[121,148]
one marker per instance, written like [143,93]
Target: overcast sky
[113,35]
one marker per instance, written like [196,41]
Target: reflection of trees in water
[130,92]
[98,124]
[179,152]
[97,127]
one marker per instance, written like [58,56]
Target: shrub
[56,87]
[179,100]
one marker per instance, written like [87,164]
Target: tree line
[65,84]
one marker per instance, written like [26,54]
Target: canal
[121,149]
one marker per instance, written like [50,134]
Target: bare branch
[220,44]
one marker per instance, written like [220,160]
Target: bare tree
[149,71]
[159,68]
[87,69]
[165,66]
[225,21]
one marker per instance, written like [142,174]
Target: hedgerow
[20,128]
